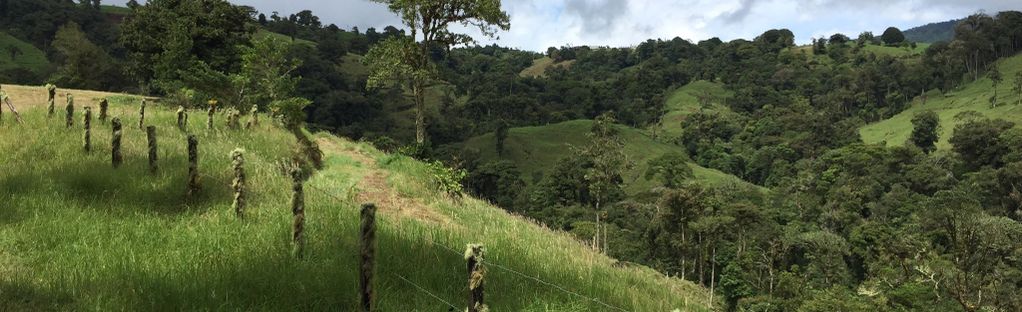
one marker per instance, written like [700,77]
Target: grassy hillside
[897,51]
[537,149]
[30,57]
[540,65]
[973,96]
[262,33]
[76,234]
[685,101]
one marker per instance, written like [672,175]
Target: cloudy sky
[538,24]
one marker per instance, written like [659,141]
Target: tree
[672,168]
[978,142]
[133,4]
[995,79]
[499,182]
[185,43]
[839,39]
[892,36]
[925,131]
[82,64]
[865,38]
[500,134]
[606,151]
[407,60]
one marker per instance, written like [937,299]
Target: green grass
[76,234]
[974,96]
[114,9]
[30,57]
[540,65]
[897,51]
[535,150]
[262,33]
[685,101]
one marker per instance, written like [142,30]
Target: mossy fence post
[476,272]
[182,118]
[51,99]
[141,115]
[115,143]
[87,124]
[367,241]
[193,166]
[298,210]
[150,133]
[253,118]
[210,112]
[238,160]
[70,108]
[103,106]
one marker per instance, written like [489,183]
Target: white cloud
[538,24]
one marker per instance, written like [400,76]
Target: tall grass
[77,234]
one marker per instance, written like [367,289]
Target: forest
[812,217]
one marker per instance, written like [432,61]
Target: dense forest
[822,222]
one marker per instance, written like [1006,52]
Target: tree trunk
[420,113]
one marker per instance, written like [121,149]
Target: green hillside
[28,57]
[537,149]
[974,96]
[76,234]
[897,51]
[685,101]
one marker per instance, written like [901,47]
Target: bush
[447,180]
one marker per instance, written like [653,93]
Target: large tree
[185,43]
[925,128]
[407,59]
[892,36]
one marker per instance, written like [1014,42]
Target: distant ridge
[933,32]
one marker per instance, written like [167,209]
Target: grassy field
[537,149]
[540,65]
[262,33]
[114,9]
[897,51]
[30,57]
[971,97]
[685,101]
[77,234]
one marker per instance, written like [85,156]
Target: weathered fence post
[239,181]
[476,272]
[51,97]
[69,116]
[150,133]
[141,115]
[367,242]
[253,118]
[103,105]
[209,122]
[182,118]
[193,166]
[87,123]
[298,209]
[115,143]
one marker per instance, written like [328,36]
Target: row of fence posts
[367,233]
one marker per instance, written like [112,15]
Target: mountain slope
[28,56]
[971,97]
[76,234]
[535,150]
[933,32]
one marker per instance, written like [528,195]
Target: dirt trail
[373,187]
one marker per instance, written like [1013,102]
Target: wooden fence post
[476,272]
[51,98]
[367,242]
[70,108]
[150,132]
[298,209]
[209,122]
[141,115]
[239,181]
[103,105]
[253,117]
[87,123]
[115,143]
[182,118]
[193,166]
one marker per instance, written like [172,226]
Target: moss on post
[233,119]
[238,185]
[193,166]
[87,123]
[210,112]
[367,253]
[476,272]
[115,143]
[253,117]
[150,132]
[298,210]
[103,105]
[70,111]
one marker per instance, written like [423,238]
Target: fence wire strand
[425,291]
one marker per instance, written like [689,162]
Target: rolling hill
[28,56]
[535,150]
[76,234]
[971,97]
[686,100]
[932,32]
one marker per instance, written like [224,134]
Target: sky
[539,24]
